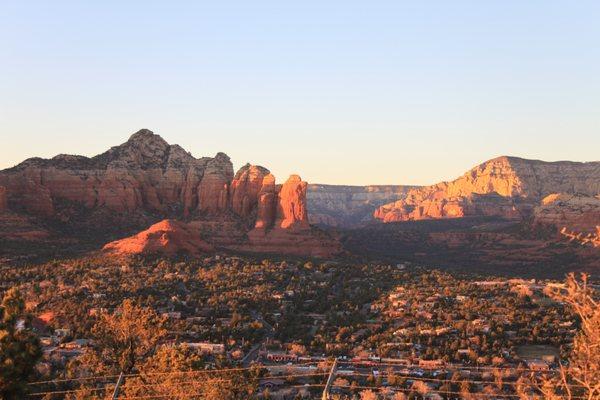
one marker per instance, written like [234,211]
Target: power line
[204,371]
[437,391]
[443,366]
[182,383]
[353,387]
[447,380]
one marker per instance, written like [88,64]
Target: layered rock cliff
[282,223]
[508,187]
[575,212]
[349,206]
[150,178]
[576,216]
[145,173]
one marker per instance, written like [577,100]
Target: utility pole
[329,381]
[115,395]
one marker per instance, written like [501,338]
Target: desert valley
[151,273]
[314,200]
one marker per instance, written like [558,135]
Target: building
[278,356]
[207,348]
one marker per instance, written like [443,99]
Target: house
[280,356]
[207,348]
[271,383]
[172,315]
[537,364]
[431,363]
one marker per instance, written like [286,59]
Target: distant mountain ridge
[151,195]
[349,206]
[508,187]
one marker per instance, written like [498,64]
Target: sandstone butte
[507,187]
[166,237]
[146,179]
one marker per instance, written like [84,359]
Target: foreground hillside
[220,324]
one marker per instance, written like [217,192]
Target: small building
[537,364]
[207,348]
[280,356]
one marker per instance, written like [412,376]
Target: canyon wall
[349,206]
[576,216]
[507,187]
[145,173]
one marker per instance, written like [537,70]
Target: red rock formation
[574,212]
[213,191]
[576,217]
[3,199]
[267,203]
[245,189]
[29,192]
[307,243]
[144,174]
[291,211]
[508,187]
[166,237]
[282,223]
[146,178]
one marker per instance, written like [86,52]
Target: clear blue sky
[337,91]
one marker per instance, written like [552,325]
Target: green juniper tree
[19,346]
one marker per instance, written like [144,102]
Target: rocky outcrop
[267,204]
[3,199]
[280,225]
[143,174]
[213,190]
[575,216]
[349,206]
[146,179]
[291,210]
[309,242]
[575,212]
[506,187]
[167,237]
[246,187]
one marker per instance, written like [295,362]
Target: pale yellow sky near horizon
[419,167]
[339,92]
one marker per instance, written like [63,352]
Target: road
[269,333]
